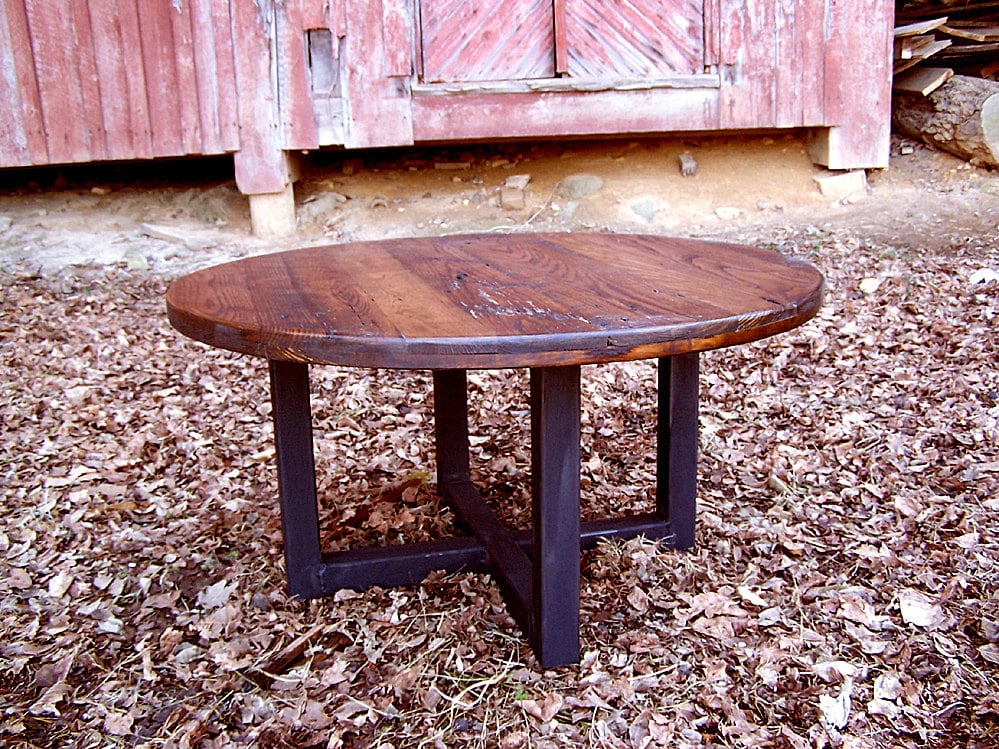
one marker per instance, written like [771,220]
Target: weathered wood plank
[90,93]
[523,115]
[640,38]
[52,43]
[561,39]
[324,14]
[857,98]
[14,149]
[491,40]
[206,58]
[378,107]
[261,167]
[809,59]
[799,64]
[789,85]
[298,119]
[184,97]
[225,74]
[712,33]
[162,81]
[398,33]
[20,66]
[114,27]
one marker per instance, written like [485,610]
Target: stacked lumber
[952,102]
[962,36]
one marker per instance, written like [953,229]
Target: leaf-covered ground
[844,591]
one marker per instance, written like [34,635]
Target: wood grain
[649,38]
[483,41]
[491,301]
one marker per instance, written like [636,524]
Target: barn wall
[90,80]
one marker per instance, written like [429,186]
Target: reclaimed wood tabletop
[495,300]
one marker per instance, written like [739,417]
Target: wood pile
[952,101]
[961,36]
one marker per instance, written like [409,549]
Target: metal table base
[538,570]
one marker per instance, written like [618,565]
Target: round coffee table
[547,302]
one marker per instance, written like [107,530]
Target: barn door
[509,40]
[470,40]
[631,38]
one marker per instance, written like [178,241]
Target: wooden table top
[496,300]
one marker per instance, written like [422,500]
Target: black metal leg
[676,473]
[555,488]
[296,475]
[508,560]
[451,425]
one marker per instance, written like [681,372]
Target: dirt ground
[844,590]
[169,217]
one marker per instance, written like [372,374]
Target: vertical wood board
[90,93]
[184,97]
[261,167]
[115,31]
[858,97]
[298,119]
[14,141]
[215,78]
[225,74]
[162,81]
[53,43]
[19,62]
[398,37]
[378,107]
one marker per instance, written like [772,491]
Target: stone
[512,198]
[518,181]
[727,213]
[320,206]
[645,209]
[579,186]
[170,234]
[839,185]
[136,261]
[688,164]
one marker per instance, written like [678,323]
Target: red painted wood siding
[88,80]
[495,40]
[115,79]
[639,38]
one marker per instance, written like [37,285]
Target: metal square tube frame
[537,570]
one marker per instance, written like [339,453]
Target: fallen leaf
[543,710]
[216,595]
[836,710]
[920,610]
[118,723]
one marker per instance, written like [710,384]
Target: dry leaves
[843,592]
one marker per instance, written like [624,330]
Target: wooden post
[273,214]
